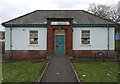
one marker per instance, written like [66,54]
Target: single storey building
[46,32]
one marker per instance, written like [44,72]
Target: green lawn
[2,55]
[21,71]
[97,71]
[0,72]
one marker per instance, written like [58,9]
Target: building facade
[46,32]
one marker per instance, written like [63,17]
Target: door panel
[59,44]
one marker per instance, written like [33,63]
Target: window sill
[36,45]
[85,45]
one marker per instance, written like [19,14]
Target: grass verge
[2,55]
[97,71]
[21,71]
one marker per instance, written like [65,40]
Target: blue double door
[59,44]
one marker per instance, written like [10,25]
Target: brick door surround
[51,35]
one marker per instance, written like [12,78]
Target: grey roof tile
[40,17]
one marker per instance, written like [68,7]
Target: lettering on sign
[60,23]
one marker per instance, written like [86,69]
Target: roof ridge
[60,10]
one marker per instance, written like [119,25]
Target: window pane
[33,36]
[85,37]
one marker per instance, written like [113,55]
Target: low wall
[34,54]
[25,54]
[92,53]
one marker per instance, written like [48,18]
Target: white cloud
[18,7]
[13,8]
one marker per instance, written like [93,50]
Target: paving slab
[59,70]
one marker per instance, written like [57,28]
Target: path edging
[74,71]
[43,71]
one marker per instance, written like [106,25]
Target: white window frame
[29,37]
[81,37]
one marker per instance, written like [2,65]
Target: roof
[40,17]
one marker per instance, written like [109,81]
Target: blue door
[59,44]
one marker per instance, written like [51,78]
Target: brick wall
[91,53]
[26,54]
[51,36]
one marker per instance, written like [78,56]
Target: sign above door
[60,23]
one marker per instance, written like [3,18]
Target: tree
[99,10]
[107,12]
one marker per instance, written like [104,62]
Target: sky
[10,9]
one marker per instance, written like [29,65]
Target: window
[85,39]
[33,36]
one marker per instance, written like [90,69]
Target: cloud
[13,8]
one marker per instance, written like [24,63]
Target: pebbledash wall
[98,42]
[22,50]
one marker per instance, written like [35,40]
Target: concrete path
[59,70]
